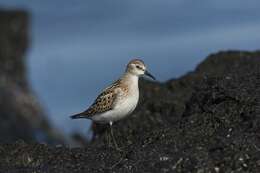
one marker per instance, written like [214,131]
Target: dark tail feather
[77,116]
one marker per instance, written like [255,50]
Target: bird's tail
[77,116]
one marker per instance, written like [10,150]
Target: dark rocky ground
[205,121]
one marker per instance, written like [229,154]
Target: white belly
[123,108]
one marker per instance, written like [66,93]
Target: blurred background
[79,47]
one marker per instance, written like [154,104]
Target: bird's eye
[139,67]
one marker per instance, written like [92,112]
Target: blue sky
[79,47]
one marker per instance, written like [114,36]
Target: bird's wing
[105,101]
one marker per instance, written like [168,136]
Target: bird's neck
[130,79]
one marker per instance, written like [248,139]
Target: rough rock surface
[21,116]
[205,121]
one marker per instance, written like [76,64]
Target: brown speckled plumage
[105,101]
[119,99]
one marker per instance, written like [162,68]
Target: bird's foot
[117,148]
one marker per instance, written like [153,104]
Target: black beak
[149,74]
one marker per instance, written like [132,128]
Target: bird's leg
[112,135]
[108,138]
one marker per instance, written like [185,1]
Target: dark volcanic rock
[205,121]
[21,116]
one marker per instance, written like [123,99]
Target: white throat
[131,80]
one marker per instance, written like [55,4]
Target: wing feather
[104,102]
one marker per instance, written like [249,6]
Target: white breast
[125,105]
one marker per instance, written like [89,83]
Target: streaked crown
[136,67]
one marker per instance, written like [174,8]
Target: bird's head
[138,68]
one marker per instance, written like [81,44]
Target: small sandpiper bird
[119,99]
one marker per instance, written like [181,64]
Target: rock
[205,121]
[21,116]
